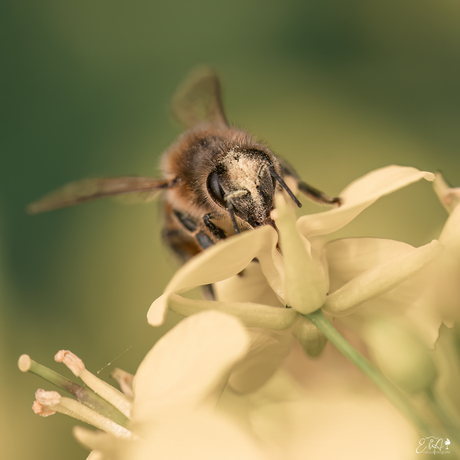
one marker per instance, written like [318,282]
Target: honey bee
[217,179]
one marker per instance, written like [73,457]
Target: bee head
[244,182]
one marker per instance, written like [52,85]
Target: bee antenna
[284,185]
[232,216]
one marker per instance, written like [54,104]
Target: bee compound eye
[215,188]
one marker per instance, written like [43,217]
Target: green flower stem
[387,388]
[83,394]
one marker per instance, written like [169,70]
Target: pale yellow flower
[445,286]
[402,326]
[169,411]
[427,299]
[331,419]
[201,435]
[304,278]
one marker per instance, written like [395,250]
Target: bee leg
[203,240]
[311,192]
[213,228]
[318,195]
[188,223]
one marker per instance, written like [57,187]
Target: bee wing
[198,99]
[90,189]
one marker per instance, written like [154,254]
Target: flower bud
[310,337]
[401,354]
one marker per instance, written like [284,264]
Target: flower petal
[223,260]
[380,279]
[201,435]
[450,235]
[448,196]
[99,441]
[359,195]
[250,285]
[305,281]
[266,353]
[250,314]
[348,258]
[187,366]
[445,286]
[157,311]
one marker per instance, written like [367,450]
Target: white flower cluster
[209,388]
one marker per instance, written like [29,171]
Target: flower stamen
[103,389]
[124,380]
[82,393]
[49,402]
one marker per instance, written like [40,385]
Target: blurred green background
[337,87]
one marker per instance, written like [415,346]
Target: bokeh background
[337,87]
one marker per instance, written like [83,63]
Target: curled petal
[380,279]
[157,311]
[448,196]
[225,259]
[188,366]
[359,195]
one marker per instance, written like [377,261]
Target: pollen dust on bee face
[243,173]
